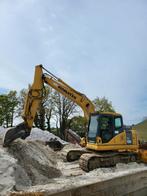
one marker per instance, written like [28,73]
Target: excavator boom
[35,96]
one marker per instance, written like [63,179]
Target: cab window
[93,126]
[118,123]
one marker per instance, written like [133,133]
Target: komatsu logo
[65,91]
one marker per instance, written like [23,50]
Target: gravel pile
[27,162]
[7,172]
[38,161]
[36,134]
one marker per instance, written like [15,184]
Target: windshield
[93,126]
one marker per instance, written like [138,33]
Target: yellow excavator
[107,141]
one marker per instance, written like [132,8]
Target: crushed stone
[38,134]
[7,170]
[37,160]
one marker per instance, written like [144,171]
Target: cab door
[93,129]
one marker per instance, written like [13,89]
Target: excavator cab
[106,132]
[104,126]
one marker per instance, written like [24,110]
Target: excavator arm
[34,98]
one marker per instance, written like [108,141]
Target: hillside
[142,130]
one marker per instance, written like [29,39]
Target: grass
[142,130]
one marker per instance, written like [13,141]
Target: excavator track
[73,154]
[92,161]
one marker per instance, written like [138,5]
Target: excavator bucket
[20,131]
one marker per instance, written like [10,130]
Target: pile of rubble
[36,134]
[7,170]
[27,162]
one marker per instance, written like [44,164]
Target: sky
[99,47]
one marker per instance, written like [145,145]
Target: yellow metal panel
[67,91]
[115,147]
[33,98]
[116,143]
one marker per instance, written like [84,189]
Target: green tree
[3,108]
[8,105]
[103,105]
[13,103]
